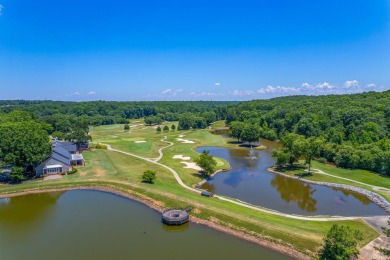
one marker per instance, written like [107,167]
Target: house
[5,173]
[64,155]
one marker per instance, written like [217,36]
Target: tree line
[351,131]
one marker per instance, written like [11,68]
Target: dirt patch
[52,177]
[196,211]
[99,172]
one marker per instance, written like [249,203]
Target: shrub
[101,146]
[73,171]
[149,176]
[322,160]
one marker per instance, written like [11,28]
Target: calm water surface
[249,181]
[97,225]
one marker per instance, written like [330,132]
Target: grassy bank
[112,169]
[123,173]
[366,177]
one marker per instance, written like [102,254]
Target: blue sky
[192,50]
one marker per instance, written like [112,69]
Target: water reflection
[292,190]
[363,199]
[249,180]
[39,206]
[175,229]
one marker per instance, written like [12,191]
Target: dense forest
[352,131]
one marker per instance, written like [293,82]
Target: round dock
[175,217]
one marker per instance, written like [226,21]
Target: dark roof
[69,146]
[62,155]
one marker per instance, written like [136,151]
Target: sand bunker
[138,142]
[180,156]
[185,141]
[191,165]
[180,136]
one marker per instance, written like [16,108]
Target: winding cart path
[229,200]
[346,179]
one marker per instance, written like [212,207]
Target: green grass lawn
[106,168]
[357,175]
[123,172]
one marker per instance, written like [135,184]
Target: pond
[98,225]
[249,181]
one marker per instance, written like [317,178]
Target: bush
[73,171]
[126,127]
[322,160]
[101,146]
[149,176]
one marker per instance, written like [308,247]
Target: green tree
[280,157]
[292,146]
[57,134]
[126,127]
[158,129]
[166,128]
[79,132]
[250,133]
[17,174]
[236,129]
[23,143]
[149,176]
[340,243]
[311,148]
[186,121]
[206,162]
[173,127]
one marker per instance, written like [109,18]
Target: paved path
[369,251]
[240,203]
[160,150]
[342,178]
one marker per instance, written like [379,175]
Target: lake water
[249,181]
[97,225]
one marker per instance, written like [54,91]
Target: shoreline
[278,247]
[372,196]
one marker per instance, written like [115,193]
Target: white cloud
[171,92]
[167,91]
[306,86]
[91,93]
[371,85]
[217,84]
[324,85]
[242,92]
[205,94]
[76,94]
[278,89]
[351,83]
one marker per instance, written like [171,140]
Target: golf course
[129,154]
